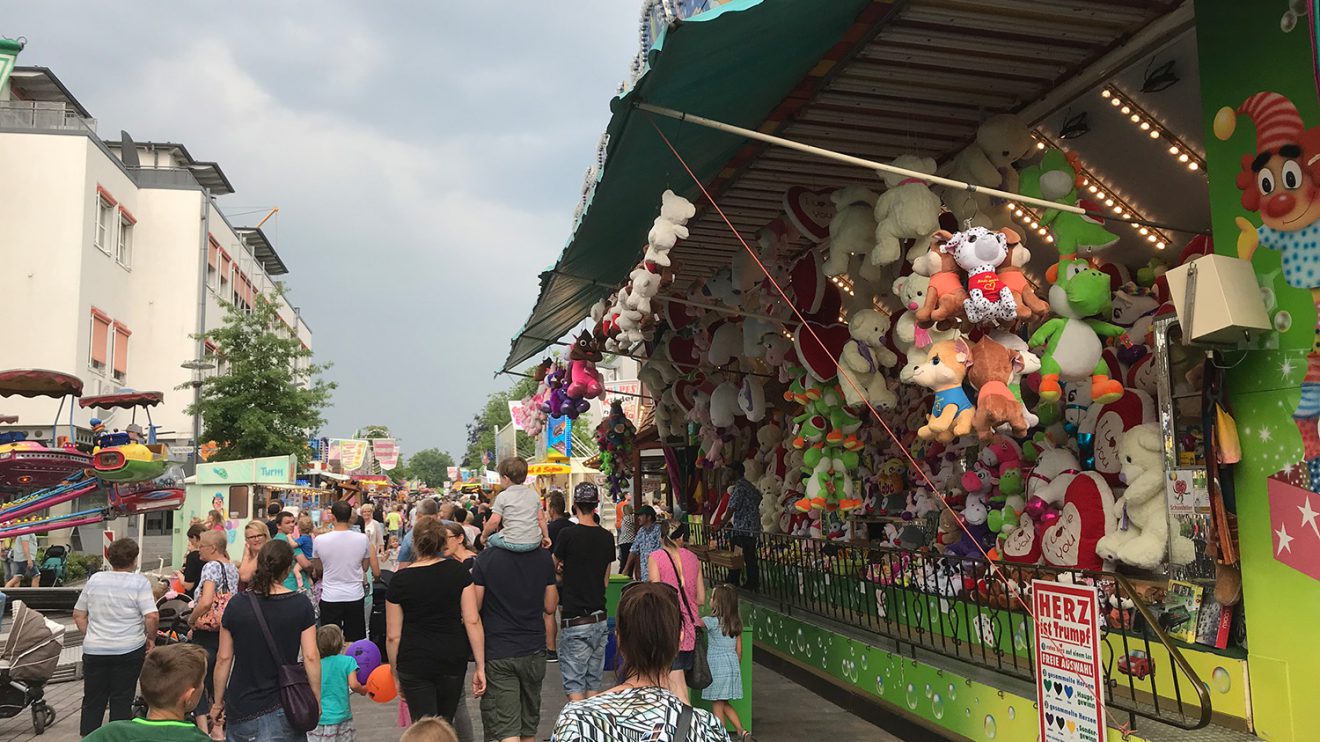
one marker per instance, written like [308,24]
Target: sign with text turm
[269,470]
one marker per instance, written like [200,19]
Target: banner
[546,469]
[506,443]
[520,415]
[386,452]
[558,439]
[9,50]
[627,390]
[352,454]
[1069,689]
[452,473]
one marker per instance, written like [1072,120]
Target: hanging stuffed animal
[943,372]
[1029,305]
[979,252]
[865,357]
[1144,525]
[988,161]
[1086,518]
[908,209]
[668,228]
[946,295]
[1056,179]
[852,231]
[991,371]
[1072,339]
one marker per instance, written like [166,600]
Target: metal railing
[21,114]
[956,607]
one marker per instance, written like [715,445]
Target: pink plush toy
[584,380]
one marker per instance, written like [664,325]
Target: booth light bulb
[1118,210]
[1109,202]
[1152,238]
[1154,134]
[1105,93]
[1173,150]
[1145,125]
[1042,231]
[1094,189]
[1125,110]
[1183,157]
[1144,231]
[1040,145]
[1160,245]
[1135,118]
[1113,102]
[1192,166]
[1049,238]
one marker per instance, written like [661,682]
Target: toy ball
[367,655]
[380,685]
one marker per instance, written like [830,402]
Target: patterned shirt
[1301,253]
[647,541]
[649,714]
[745,504]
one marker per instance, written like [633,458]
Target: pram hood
[32,650]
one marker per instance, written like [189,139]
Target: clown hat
[1276,118]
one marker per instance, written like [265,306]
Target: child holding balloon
[339,675]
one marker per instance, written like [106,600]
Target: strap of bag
[682,593]
[684,726]
[265,630]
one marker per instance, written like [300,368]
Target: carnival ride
[135,472]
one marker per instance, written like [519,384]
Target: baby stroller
[27,662]
[53,566]
[173,610]
[376,621]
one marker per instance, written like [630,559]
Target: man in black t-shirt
[584,553]
[515,591]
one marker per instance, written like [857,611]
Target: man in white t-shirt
[344,556]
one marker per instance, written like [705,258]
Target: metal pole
[200,351]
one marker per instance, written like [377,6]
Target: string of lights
[1144,121]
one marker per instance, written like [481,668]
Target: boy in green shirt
[171,684]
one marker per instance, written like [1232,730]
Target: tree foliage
[493,416]
[431,465]
[270,398]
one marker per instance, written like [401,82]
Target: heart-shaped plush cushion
[831,302]
[821,361]
[810,212]
[683,353]
[678,316]
[807,282]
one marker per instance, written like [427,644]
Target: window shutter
[121,349]
[100,336]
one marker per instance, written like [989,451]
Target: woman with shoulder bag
[216,586]
[680,569]
[261,634]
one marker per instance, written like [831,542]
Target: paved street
[782,709]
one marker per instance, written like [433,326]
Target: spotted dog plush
[980,252]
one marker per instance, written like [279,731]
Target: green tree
[371,432]
[269,399]
[431,465]
[493,416]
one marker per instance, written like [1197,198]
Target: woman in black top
[250,705]
[191,573]
[431,604]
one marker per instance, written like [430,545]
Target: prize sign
[1069,686]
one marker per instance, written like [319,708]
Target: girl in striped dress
[724,654]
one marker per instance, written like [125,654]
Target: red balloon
[380,685]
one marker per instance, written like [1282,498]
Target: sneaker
[551,655]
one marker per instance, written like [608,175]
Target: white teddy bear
[908,210]
[865,356]
[725,344]
[911,339]
[724,405]
[720,287]
[852,230]
[669,227]
[1141,537]
[645,285]
[988,161]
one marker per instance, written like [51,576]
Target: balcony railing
[956,607]
[46,115]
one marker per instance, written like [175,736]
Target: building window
[105,220]
[124,245]
[120,354]
[212,262]
[99,354]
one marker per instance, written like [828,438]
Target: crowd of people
[477,599]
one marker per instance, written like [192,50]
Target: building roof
[262,249]
[208,174]
[40,84]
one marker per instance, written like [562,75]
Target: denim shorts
[582,656]
[270,727]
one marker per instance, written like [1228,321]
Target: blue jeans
[582,656]
[497,539]
[272,727]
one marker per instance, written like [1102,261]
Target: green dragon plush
[1072,339]
[1056,179]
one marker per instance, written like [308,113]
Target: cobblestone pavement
[784,712]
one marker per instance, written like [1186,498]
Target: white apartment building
[113,256]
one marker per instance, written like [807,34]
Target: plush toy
[979,252]
[945,295]
[1021,544]
[988,161]
[1085,519]
[615,436]
[724,405]
[1071,340]
[891,486]
[991,371]
[865,357]
[1056,179]
[1104,427]
[1143,528]
[584,380]
[668,228]
[1029,305]
[777,355]
[943,372]
[1030,365]
[1134,310]
[725,344]
[645,285]
[751,399]
[719,287]
[754,333]
[852,231]
[907,210]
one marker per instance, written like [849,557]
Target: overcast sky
[426,158]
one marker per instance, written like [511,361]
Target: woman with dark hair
[250,706]
[679,568]
[431,619]
[642,706]
[457,546]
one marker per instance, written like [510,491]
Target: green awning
[735,63]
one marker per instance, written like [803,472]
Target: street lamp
[197,366]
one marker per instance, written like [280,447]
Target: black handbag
[296,696]
[699,676]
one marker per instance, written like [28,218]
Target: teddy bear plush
[1143,525]
[865,357]
[584,380]
[990,372]
[645,285]
[668,228]
[911,338]
[988,161]
[724,405]
[943,372]
[852,230]
[725,344]
[908,209]
[979,252]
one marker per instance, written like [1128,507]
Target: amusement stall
[1015,341]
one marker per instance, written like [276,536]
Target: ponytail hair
[273,564]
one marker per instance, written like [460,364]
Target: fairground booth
[1007,308]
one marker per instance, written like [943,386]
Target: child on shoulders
[516,522]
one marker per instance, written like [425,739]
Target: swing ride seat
[28,464]
[70,489]
[131,462]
